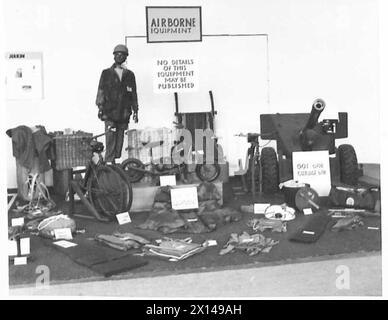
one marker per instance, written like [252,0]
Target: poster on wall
[313,167]
[175,75]
[24,77]
[173,24]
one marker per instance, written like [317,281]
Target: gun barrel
[317,108]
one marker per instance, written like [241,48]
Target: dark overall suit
[118,99]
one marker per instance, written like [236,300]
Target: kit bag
[353,197]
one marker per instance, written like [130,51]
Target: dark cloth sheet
[100,259]
[312,229]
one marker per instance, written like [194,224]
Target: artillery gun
[302,132]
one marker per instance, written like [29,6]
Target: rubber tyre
[254,178]
[348,164]
[133,175]
[128,194]
[270,170]
[208,172]
[105,190]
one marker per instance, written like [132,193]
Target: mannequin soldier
[117,101]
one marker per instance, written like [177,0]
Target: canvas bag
[353,197]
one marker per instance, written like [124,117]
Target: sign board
[173,24]
[17,222]
[259,208]
[184,198]
[24,246]
[24,77]
[63,233]
[123,218]
[178,74]
[313,167]
[169,180]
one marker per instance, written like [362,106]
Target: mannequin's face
[120,57]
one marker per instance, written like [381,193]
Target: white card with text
[24,246]
[19,261]
[313,167]
[167,180]
[184,198]
[63,233]
[307,211]
[12,248]
[212,243]
[123,218]
[259,208]
[65,244]
[17,222]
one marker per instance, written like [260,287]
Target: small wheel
[270,170]
[129,166]
[105,190]
[348,164]
[127,187]
[208,172]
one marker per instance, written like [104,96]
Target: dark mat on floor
[62,268]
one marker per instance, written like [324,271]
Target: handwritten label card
[65,244]
[19,261]
[12,248]
[63,233]
[123,218]
[17,222]
[24,246]
[168,180]
[211,243]
[184,198]
[313,167]
[259,208]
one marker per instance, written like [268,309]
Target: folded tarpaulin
[313,228]
[101,259]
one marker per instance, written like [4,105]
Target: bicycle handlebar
[110,129]
[254,133]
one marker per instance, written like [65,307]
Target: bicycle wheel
[129,166]
[253,172]
[208,172]
[127,188]
[105,190]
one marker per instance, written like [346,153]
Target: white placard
[184,198]
[211,243]
[17,222]
[65,244]
[63,233]
[173,24]
[307,211]
[167,180]
[259,208]
[19,261]
[123,218]
[178,74]
[24,76]
[24,246]
[12,248]
[313,167]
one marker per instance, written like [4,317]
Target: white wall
[321,48]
